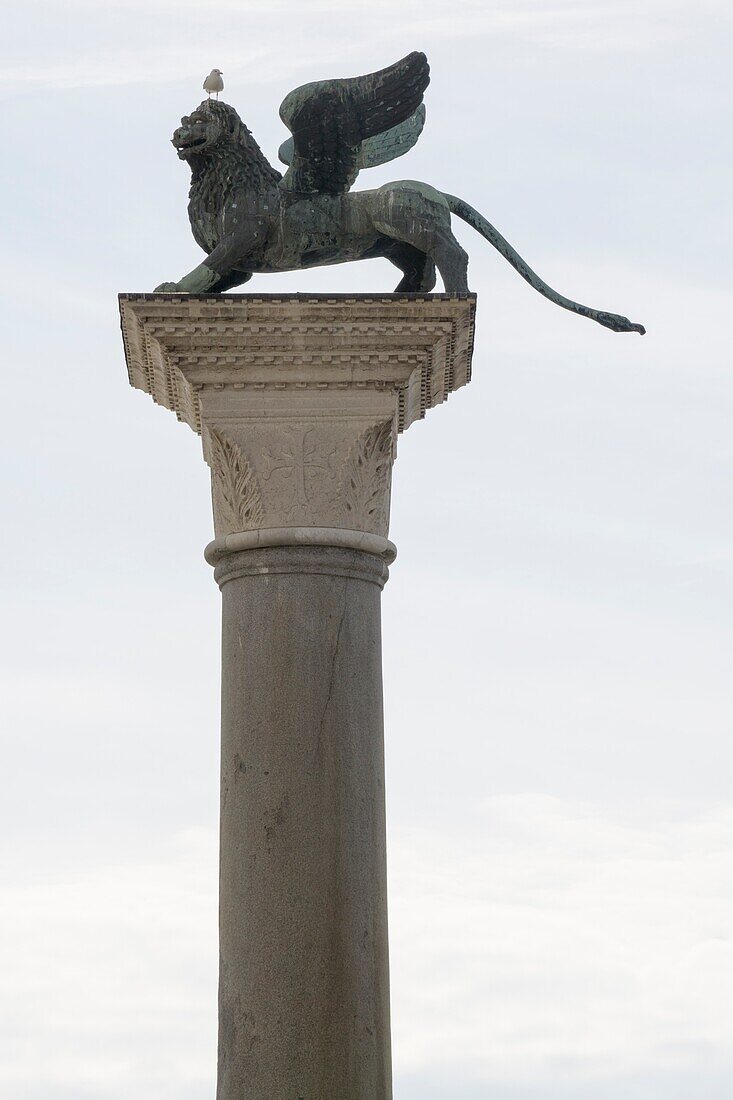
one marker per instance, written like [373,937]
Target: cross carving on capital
[299,400]
[301,458]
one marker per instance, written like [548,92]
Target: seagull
[214,83]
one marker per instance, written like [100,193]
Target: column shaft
[304,979]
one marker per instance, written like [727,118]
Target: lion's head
[212,127]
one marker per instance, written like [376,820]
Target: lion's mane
[233,164]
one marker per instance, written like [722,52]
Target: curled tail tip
[617,323]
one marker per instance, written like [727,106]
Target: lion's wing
[339,126]
[378,149]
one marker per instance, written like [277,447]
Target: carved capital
[235,491]
[298,400]
[278,471]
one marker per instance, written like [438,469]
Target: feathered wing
[394,142]
[339,126]
[378,149]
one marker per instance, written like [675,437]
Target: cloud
[108,47]
[547,943]
[110,976]
[552,937]
[118,68]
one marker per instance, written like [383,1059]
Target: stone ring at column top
[301,536]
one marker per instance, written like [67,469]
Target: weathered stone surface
[299,400]
[304,986]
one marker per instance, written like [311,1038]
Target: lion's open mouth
[191,144]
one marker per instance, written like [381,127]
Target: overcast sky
[557,626]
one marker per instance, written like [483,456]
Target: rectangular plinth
[417,345]
[299,399]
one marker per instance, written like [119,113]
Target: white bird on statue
[214,83]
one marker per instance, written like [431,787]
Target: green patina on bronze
[249,219]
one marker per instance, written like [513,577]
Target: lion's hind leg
[419,216]
[451,261]
[418,269]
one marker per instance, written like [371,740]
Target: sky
[557,625]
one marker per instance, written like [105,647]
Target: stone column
[299,401]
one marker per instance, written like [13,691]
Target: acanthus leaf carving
[367,478]
[237,496]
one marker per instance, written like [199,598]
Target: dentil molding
[298,399]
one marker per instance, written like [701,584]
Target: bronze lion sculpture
[250,219]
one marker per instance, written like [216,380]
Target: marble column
[299,401]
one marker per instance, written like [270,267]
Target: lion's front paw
[168,288]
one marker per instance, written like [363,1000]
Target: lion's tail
[481,225]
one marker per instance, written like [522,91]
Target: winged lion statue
[251,219]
